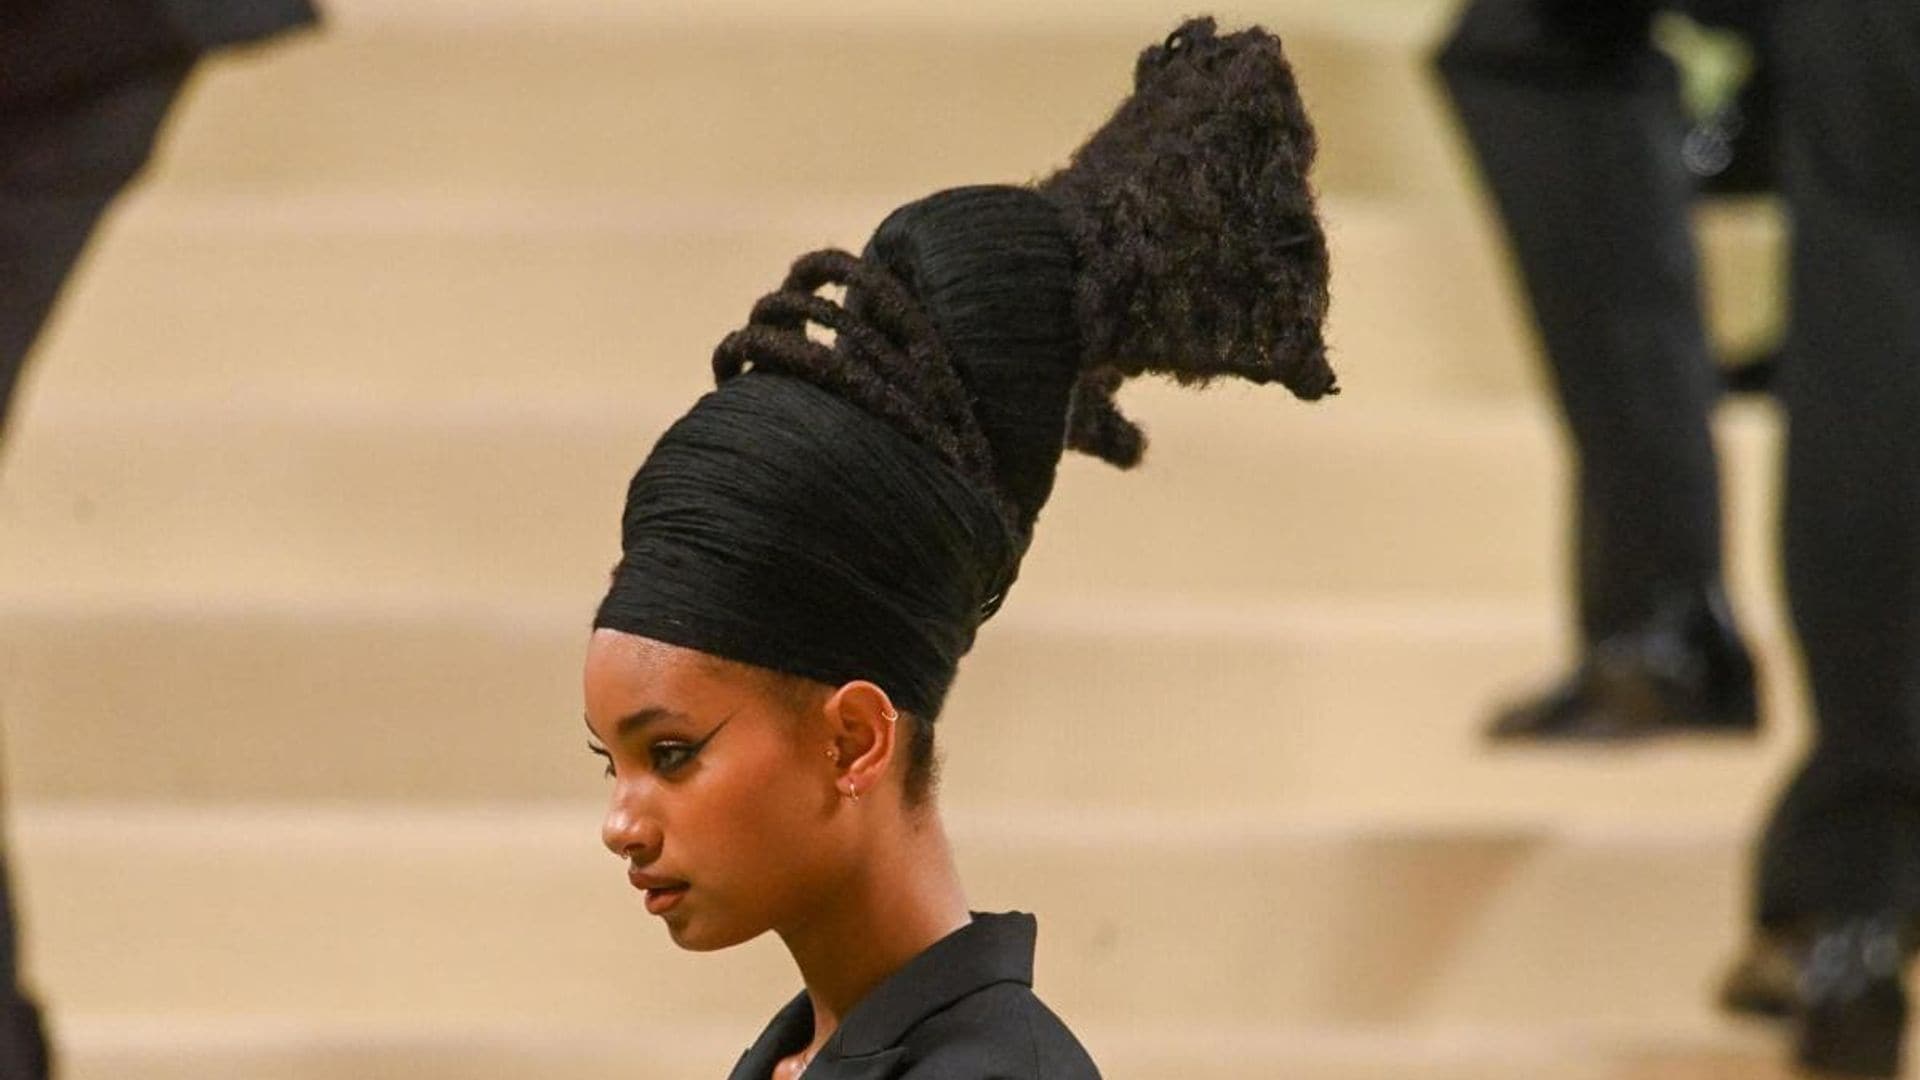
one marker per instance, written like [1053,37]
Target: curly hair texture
[1202,254]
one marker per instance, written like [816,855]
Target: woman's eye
[669,757]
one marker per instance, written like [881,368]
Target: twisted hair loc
[886,357]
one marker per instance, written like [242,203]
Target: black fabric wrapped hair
[856,510]
[996,271]
[819,513]
[780,525]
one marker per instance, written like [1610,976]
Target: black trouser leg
[63,159]
[1575,121]
[1845,838]
[23,1043]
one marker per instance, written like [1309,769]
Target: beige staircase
[306,508]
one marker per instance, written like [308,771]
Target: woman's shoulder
[1000,1032]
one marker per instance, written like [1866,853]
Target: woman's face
[716,806]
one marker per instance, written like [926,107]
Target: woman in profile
[809,551]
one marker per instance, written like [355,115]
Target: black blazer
[962,1010]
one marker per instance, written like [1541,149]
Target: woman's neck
[903,898]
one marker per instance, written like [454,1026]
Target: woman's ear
[863,725]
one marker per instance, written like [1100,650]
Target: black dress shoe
[1853,999]
[1842,983]
[1684,671]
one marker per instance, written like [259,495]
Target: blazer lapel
[883,1065]
[991,949]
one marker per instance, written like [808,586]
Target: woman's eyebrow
[633,722]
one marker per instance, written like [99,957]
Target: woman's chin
[694,935]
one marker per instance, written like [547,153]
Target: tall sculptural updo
[855,510]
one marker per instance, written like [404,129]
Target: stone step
[511,913]
[112,1048]
[1245,495]
[760,101]
[1325,710]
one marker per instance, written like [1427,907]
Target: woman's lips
[662,893]
[661,901]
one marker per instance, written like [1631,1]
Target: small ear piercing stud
[853,793]
[833,754]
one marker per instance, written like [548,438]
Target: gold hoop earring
[853,793]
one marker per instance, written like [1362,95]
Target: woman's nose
[629,833]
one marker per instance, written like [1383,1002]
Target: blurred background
[316,479]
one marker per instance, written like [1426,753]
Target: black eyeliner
[702,744]
[685,752]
